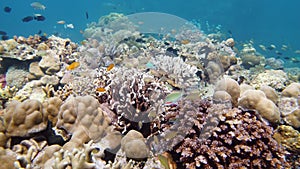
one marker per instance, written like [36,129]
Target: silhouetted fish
[87,15]
[27,19]
[39,32]
[2,33]
[7,9]
[39,17]
[4,37]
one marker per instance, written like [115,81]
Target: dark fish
[39,18]
[2,33]
[27,19]
[44,38]
[39,32]
[4,37]
[278,53]
[7,9]
[87,15]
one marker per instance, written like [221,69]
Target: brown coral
[25,118]
[240,140]
[83,118]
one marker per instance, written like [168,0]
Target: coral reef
[257,100]
[24,119]
[240,140]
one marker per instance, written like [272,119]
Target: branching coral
[240,140]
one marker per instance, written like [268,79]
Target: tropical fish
[101,89]
[185,41]
[7,9]
[71,26]
[167,161]
[61,22]
[262,47]
[39,17]
[3,33]
[38,5]
[110,67]
[73,66]
[173,97]
[5,37]
[27,19]
[86,15]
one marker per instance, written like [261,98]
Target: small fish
[173,97]
[38,5]
[185,41]
[7,9]
[39,17]
[271,47]
[278,53]
[262,47]
[71,26]
[297,51]
[110,67]
[73,66]
[27,19]
[101,89]
[295,60]
[5,37]
[61,22]
[86,15]
[39,32]
[167,161]
[3,33]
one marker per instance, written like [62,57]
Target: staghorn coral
[240,140]
[25,118]
[176,70]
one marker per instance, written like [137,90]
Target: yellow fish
[73,66]
[110,67]
[100,89]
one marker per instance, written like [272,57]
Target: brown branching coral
[240,140]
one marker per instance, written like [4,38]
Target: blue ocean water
[264,22]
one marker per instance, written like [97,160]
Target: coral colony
[125,99]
